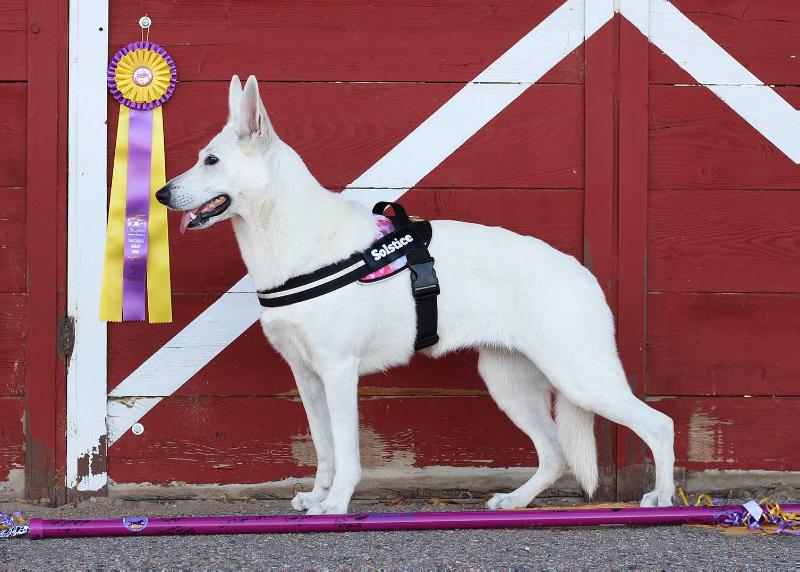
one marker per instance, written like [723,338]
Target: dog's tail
[576,435]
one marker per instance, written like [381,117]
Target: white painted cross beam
[711,66]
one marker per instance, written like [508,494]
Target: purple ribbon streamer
[137,209]
[744,518]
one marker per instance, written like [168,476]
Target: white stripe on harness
[310,285]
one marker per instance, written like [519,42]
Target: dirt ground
[566,548]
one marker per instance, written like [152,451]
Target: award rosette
[141,77]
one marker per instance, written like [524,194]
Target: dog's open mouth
[197,218]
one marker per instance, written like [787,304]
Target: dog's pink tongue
[187,217]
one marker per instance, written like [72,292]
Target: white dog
[537,317]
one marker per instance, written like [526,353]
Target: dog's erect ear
[234,98]
[252,120]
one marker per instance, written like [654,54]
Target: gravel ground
[569,548]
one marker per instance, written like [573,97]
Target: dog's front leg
[340,380]
[312,392]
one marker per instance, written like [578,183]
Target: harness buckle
[424,282]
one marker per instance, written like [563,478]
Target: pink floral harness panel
[385,226]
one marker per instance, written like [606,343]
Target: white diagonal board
[708,63]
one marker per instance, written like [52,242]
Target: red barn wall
[723,287]
[343,84]
[13,287]
[32,247]
[701,269]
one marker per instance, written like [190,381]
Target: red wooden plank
[341,130]
[12,240]
[12,344]
[536,142]
[723,344]
[730,433]
[551,215]
[453,374]
[632,241]
[599,248]
[724,241]
[14,68]
[13,23]
[761,35]
[347,40]
[256,440]
[14,15]
[46,71]
[12,134]
[61,358]
[698,142]
[600,155]
[12,445]
[632,201]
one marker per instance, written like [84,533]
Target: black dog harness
[410,238]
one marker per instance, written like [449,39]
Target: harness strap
[410,238]
[424,282]
[315,284]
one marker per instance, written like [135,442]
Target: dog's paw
[506,501]
[653,498]
[304,501]
[329,507]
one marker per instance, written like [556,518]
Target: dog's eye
[211,160]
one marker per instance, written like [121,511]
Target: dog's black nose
[163,195]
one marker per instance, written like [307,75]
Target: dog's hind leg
[523,393]
[597,383]
[312,393]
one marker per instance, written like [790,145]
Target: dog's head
[232,170]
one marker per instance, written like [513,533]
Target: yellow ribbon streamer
[111,295]
[159,291]
[702,499]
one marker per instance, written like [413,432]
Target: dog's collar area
[410,239]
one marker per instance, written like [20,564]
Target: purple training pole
[40,528]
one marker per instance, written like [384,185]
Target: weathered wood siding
[343,85]
[684,210]
[689,212]
[13,287]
